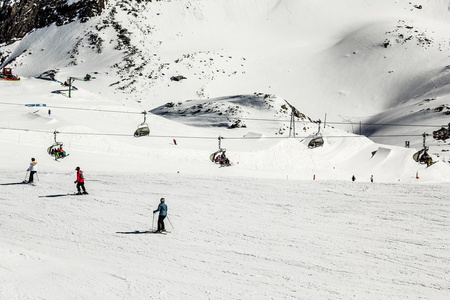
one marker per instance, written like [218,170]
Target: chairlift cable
[207,137]
[79,108]
[241,118]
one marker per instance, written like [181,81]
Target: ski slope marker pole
[170,222]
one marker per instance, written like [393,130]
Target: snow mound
[241,111]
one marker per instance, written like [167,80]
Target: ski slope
[284,221]
[233,238]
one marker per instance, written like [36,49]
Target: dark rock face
[19,17]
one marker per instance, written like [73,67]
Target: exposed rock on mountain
[19,17]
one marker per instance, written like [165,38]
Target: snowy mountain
[377,69]
[264,81]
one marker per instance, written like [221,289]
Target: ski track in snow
[234,238]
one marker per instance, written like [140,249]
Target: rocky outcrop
[19,17]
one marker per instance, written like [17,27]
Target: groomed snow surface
[232,238]
[261,229]
[285,221]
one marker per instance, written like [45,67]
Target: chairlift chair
[419,156]
[53,149]
[142,129]
[315,142]
[220,153]
[217,154]
[318,140]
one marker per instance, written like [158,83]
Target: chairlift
[317,141]
[216,155]
[56,150]
[422,155]
[219,157]
[142,129]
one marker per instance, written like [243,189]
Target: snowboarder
[32,169]
[353,178]
[80,181]
[162,208]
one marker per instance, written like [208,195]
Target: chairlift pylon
[142,129]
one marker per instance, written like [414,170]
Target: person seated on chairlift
[218,159]
[60,152]
[426,158]
[224,160]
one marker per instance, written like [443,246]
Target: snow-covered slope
[355,58]
[232,238]
[284,221]
[255,131]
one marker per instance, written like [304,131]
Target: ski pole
[26,175]
[37,176]
[170,222]
[153,222]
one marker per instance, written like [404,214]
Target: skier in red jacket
[80,181]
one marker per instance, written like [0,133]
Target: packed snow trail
[235,238]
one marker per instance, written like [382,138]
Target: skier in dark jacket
[80,181]
[162,208]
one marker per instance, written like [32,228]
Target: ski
[161,232]
[432,163]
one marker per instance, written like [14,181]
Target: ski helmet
[77,168]
[162,200]
[32,159]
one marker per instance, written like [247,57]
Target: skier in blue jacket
[162,208]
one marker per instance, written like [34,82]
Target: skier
[33,169]
[371,178]
[80,181]
[353,178]
[162,208]
[175,142]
